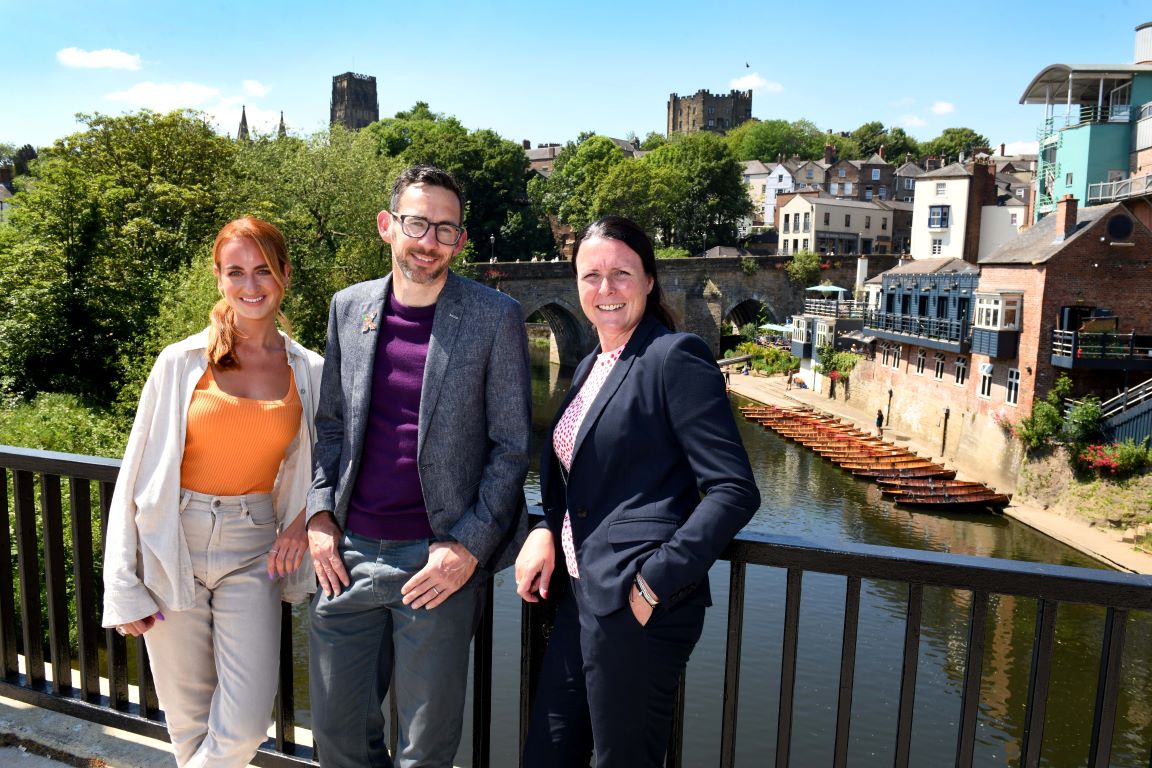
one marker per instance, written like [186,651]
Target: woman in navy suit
[644,482]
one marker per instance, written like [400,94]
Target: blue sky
[546,71]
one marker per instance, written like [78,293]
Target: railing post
[9,665]
[84,575]
[28,557]
[54,573]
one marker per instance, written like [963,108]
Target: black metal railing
[940,328]
[1103,346]
[47,527]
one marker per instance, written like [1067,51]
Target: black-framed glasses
[416,226]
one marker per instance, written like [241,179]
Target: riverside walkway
[1076,533]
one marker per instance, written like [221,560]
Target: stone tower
[704,111]
[242,131]
[354,103]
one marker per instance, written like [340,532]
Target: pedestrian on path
[880,422]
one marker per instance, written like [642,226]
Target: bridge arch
[573,335]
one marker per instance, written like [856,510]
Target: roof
[876,159]
[952,171]
[945,265]
[543,153]
[1051,86]
[894,205]
[1038,244]
[909,169]
[718,251]
[754,167]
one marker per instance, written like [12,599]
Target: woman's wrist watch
[646,591]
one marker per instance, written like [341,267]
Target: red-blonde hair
[222,331]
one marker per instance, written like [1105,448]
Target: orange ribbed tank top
[235,445]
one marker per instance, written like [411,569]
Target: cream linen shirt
[145,555]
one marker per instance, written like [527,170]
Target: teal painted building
[1096,141]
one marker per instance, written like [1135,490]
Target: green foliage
[832,361]
[749,266]
[953,141]
[869,138]
[804,268]
[768,360]
[1042,428]
[114,209]
[767,140]
[1115,460]
[672,253]
[653,141]
[59,422]
[1084,421]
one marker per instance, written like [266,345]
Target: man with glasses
[417,493]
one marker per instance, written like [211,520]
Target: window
[827,218]
[987,312]
[883,193]
[867,222]
[834,188]
[909,184]
[1020,193]
[938,216]
[1014,219]
[808,174]
[1011,319]
[921,358]
[840,172]
[896,356]
[1012,395]
[786,218]
[779,178]
[867,193]
[985,380]
[883,224]
[799,329]
[907,199]
[941,188]
[938,372]
[875,174]
[824,336]
[805,243]
[998,312]
[1068,179]
[763,188]
[961,371]
[807,220]
[847,187]
[886,354]
[847,219]
[937,246]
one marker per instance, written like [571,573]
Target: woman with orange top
[205,532]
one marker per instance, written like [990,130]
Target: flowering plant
[834,375]
[1101,458]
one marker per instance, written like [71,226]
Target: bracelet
[642,588]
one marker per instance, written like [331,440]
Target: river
[807,496]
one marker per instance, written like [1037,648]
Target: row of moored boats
[908,478]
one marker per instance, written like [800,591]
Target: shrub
[1084,420]
[1114,459]
[749,266]
[59,422]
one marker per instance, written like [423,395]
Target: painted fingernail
[159,616]
[544,594]
[271,576]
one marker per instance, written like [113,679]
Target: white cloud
[912,121]
[1022,148]
[943,108]
[164,97]
[226,116]
[255,88]
[105,58]
[754,82]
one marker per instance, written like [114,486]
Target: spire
[242,132]
[281,132]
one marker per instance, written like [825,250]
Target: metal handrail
[44,520]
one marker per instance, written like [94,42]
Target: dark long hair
[629,233]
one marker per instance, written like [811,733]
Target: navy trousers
[608,685]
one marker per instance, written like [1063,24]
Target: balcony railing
[1119,190]
[833,308]
[937,328]
[53,499]
[1087,114]
[1101,350]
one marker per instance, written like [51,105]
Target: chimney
[1065,218]
[526,144]
[881,152]
[829,154]
[1002,151]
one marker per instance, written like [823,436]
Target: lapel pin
[369,322]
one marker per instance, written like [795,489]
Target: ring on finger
[436,591]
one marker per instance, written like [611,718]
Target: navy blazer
[660,481]
[474,420]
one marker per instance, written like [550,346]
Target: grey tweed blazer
[474,423]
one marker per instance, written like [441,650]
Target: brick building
[705,111]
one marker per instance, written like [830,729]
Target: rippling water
[807,496]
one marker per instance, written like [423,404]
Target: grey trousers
[364,636]
[215,665]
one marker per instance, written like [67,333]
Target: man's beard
[430,274]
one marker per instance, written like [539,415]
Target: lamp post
[492,243]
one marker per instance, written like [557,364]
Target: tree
[953,142]
[571,191]
[804,268]
[707,191]
[653,141]
[7,154]
[898,145]
[25,155]
[870,137]
[115,209]
[768,140]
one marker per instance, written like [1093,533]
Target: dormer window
[998,311]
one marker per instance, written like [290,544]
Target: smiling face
[420,264]
[247,282]
[613,289]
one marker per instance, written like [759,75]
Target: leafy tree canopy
[953,142]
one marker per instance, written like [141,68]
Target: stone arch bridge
[702,293]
